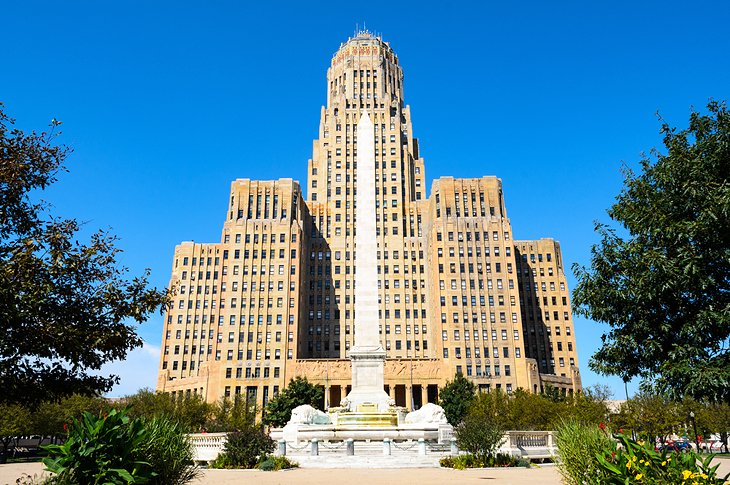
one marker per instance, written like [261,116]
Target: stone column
[409,397]
[366,262]
[367,354]
[315,448]
[424,394]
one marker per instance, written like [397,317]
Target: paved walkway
[546,475]
[309,476]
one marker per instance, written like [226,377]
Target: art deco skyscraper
[276,297]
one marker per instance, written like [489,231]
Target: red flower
[602,426]
[65,427]
[621,430]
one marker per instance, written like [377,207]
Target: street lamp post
[694,427]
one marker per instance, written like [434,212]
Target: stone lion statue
[306,414]
[429,413]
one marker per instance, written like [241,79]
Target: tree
[299,392]
[480,432]
[191,411]
[651,416]
[14,421]
[455,398]
[232,414]
[662,282]
[66,307]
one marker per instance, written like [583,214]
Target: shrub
[275,463]
[637,462]
[245,449]
[169,451]
[460,462]
[468,460]
[115,449]
[578,446]
[101,450]
[479,433]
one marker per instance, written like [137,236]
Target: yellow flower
[628,464]
[664,463]
[686,474]
[638,477]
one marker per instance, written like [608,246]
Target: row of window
[477,352]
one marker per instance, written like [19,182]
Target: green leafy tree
[455,398]
[67,308]
[14,421]
[191,411]
[527,411]
[651,416]
[661,282]
[299,391]
[589,407]
[480,432]
[50,418]
[232,414]
[717,417]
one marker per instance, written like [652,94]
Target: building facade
[275,298]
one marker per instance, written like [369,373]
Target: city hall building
[274,298]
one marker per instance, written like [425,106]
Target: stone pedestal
[368,394]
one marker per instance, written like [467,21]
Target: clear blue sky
[165,103]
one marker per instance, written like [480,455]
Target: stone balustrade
[525,444]
[529,444]
[207,446]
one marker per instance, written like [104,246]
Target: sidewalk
[307,476]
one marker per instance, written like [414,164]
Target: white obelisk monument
[367,354]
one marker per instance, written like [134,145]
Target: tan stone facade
[275,298]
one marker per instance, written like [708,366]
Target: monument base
[368,382]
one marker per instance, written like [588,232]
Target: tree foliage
[245,448]
[67,307]
[662,280]
[651,416]
[480,431]
[299,391]
[455,398]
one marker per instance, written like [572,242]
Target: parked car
[677,447]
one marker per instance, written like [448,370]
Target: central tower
[365,81]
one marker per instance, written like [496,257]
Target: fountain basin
[365,419]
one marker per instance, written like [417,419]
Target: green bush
[168,450]
[275,463]
[578,446]
[101,450]
[479,432]
[637,462]
[115,449]
[461,462]
[468,460]
[245,449]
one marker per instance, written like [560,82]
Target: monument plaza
[451,289]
